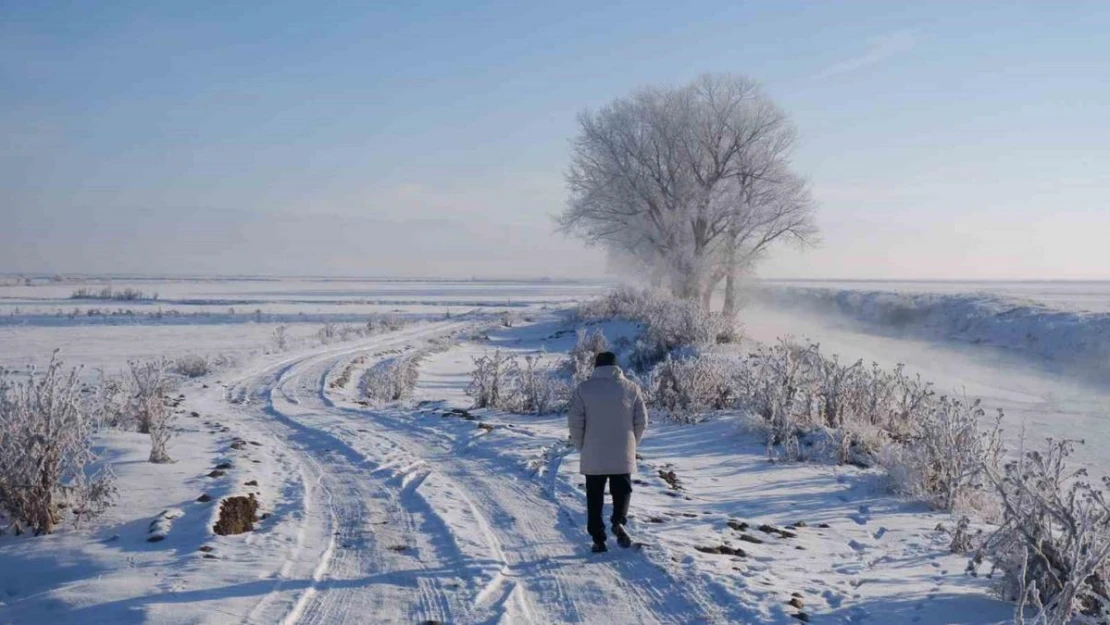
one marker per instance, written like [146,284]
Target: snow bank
[1080,339]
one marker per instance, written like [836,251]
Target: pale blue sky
[948,140]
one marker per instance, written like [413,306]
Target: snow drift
[1074,338]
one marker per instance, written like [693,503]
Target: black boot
[623,539]
[599,548]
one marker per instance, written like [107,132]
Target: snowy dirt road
[402,523]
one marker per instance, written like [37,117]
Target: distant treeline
[107,293]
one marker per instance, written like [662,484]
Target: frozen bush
[874,393]
[685,388]
[381,324]
[108,404]
[46,452]
[281,337]
[671,325]
[345,332]
[542,390]
[150,386]
[191,366]
[491,380]
[911,397]
[814,407]
[501,382]
[668,324]
[392,380]
[780,390]
[835,385]
[620,303]
[946,456]
[326,334]
[1052,547]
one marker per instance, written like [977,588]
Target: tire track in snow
[339,503]
[326,601]
[490,548]
[549,583]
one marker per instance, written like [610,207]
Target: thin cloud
[879,49]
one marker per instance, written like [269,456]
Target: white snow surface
[399,514]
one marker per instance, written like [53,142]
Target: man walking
[607,420]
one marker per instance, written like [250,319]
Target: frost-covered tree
[46,452]
[694,182]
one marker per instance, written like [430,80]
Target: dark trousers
[620,487]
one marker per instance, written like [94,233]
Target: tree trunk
[731,277]
[689,285]
[710,289]
[729,309]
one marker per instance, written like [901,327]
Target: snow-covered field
[410,513]
[235,317]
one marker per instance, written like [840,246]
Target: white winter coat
[607,420]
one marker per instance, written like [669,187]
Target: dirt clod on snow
[237,515]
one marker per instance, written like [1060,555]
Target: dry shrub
[237,515]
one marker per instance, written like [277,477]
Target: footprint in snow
[879,533]
[857,615]
[833,599]
[857,546]
[863,516]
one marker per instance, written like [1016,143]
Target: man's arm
[639,416]
[576,421]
